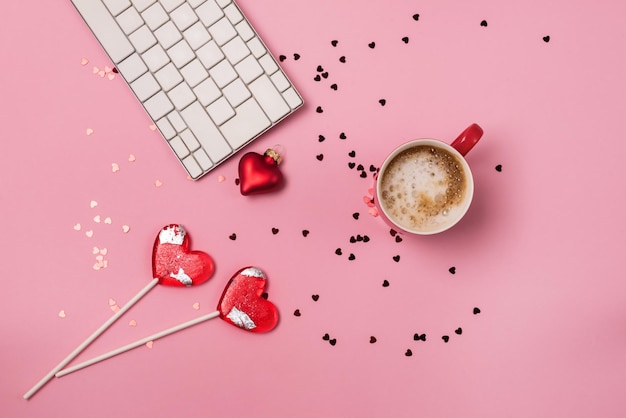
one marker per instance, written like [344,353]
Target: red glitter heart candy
[260,173]
[242,305]
[174,264]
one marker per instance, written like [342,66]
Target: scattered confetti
[458,331]
[62,314]
[196,306]
[149,344]
[499,168]
[408,352]
[132,323]
[152,127]
[132,158]
[108,221]
[89,131]
[372,339]
[93,204]
[221,179]
[77,227]
[125,228]
[315,297]
[483,23]
[476,311]
[115,167]
[158,183]
[445,338]
[84,61]
[96,219]
[89,233]
[297,312]
[452,270]
[546,38]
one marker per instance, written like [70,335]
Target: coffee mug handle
[468,138]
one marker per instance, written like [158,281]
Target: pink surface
[540,252]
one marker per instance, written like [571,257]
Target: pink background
[540,252]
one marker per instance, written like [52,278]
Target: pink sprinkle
[158,183]
[62,314]
[125,228]
[84,61]
[221,179]
[115,167]
[373,211]
[131,158]
[89,131]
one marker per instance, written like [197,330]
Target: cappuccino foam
[423,188]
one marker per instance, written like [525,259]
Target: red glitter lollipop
[173,264]
[242,304]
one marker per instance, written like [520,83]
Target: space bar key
[206,132]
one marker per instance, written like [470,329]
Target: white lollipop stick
[91,338]
[138,343]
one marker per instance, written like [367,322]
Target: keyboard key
[249,121]
[292,98]
[158,106]
[207,92]
[145,86]
[170,5]
[235,50]
[117,6]
[203,159]
[179,147]
[197,35]
[207,134]
[192,167]
[181,96]
[129,20]
[142,39]
[268,64]
[155,58]
[166,128]
[106,30]
[155,16]
[236,92]
[222,31]
[184,16]
[249,69]
[220,111]
[209,13]
[223,3]
[233,14]
[142,5]
[168,35]
[269,98]
[223,73]
[177,122]
[257,48]
[132,67]
[280,81]
[168,77]
[209,54]
[194,73]
[181,54]
[244,30]
[190,140]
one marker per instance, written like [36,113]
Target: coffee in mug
[426,186]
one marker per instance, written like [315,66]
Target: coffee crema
[423,188]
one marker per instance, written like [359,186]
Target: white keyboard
[199,69]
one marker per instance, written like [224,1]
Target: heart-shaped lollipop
[260,173]
[174,264]
[242,303]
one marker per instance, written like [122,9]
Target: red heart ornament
[242,305]
[174,264]
[259,173]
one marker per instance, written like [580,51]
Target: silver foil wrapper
[173,234]
[182,277]
[241,319]
[253,272]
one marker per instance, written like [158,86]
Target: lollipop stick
[91,338]
[138,343]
